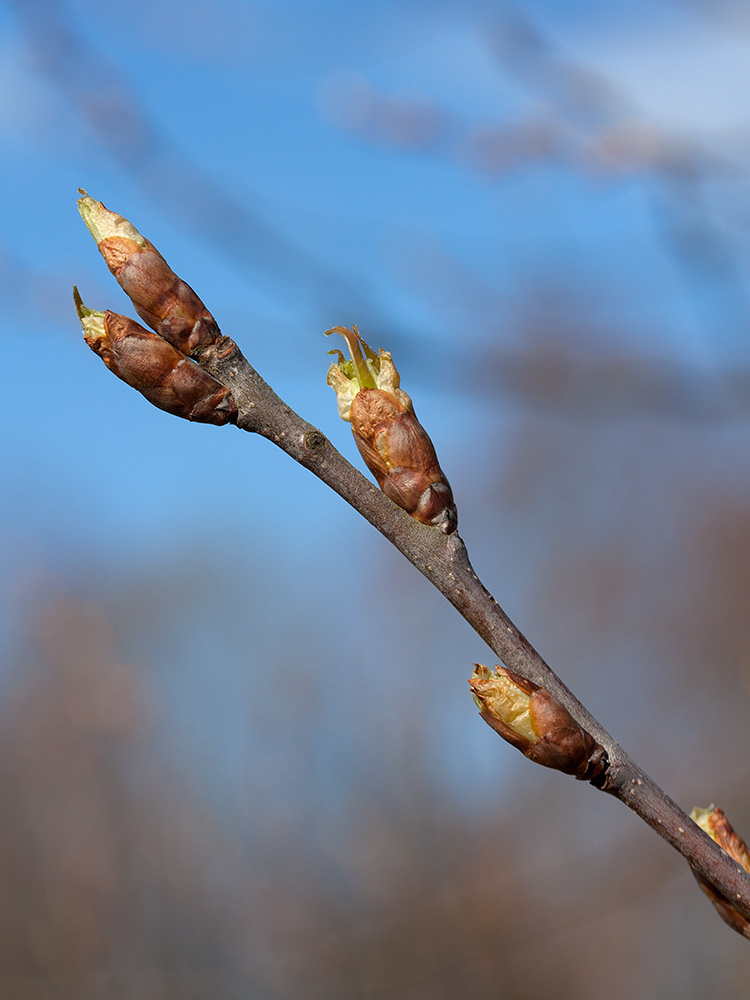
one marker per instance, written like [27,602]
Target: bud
[713,822]
[167,303]
[535,722]
[392,442]
[165,376]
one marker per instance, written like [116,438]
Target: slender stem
[444,561]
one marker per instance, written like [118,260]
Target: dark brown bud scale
[401,456]
[161,298]
[565,745]
[161,373]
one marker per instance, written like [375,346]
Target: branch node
[314,440]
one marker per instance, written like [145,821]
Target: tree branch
[444,561]
[188,368]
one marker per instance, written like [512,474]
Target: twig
[444,561]
[187,367]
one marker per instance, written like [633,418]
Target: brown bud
[392,442]
[399,453]
[165,376]
[162,299]
[713,822]
[535,722]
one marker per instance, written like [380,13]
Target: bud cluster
[156,364]
[713,822]
[394,445]
[536,723]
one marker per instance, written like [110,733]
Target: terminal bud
[163,300]
[394,445]
[165,376]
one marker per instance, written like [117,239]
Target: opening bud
[146,362]
[713,822]
[165,302]
[395,447]
[536,723]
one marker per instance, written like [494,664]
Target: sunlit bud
[713,822]
[165,376]
[392,442]
[167,303]
[535,722]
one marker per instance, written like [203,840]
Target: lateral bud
[394,445]
[161,373]
[535,722]
[163,300]
[713,822]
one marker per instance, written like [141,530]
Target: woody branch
[188,367]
